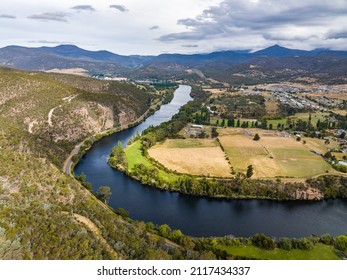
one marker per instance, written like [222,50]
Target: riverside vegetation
[136,162]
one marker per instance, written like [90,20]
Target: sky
[151,27]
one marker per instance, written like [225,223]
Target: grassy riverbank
[317,252]
[140,166]
[135,158]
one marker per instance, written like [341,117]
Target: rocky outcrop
[308,194]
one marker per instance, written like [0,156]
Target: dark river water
[198,216]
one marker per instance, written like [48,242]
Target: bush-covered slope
[43,213]
[61,110]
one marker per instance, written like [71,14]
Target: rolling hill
[218,65]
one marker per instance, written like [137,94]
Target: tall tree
[249,173]
[104,192]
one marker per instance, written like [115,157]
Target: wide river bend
[199,216]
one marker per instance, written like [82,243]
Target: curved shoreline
[69,164]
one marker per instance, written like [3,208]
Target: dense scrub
[61,110]
[38,203]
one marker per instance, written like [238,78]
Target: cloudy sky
[184,26]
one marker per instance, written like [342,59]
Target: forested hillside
[58,111]
[45,214]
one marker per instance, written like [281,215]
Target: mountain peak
[67,47]
[279,51]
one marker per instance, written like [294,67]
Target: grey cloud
[337,35]
[58,16]
[83,8]
[120,8]
[288,37]
[190,46]
[182,36]
[188,22]
[239,17]
[7,16]
[154,27]
[50,42]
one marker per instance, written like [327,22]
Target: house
[197,126]
[195,130]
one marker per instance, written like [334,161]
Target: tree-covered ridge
[41,209]
[61,110]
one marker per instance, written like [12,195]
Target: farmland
[318,252]
[134,157]
[274,155]
[299,116]
[192,156]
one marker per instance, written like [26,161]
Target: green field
[299,163]
[191,143]
[318,252]
[213,121]
[134,156]
[299,116]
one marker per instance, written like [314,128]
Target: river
[199,216]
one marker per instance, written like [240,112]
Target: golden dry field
[271,107]
[192,156]
[275,154]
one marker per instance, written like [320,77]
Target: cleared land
[192,156]
[274,155]
[134,156]
[271,107]
[318,252]
[299,116]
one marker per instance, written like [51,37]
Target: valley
[52,120]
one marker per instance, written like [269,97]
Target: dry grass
[197,157]
[339,95]
[272,155]
[72,71]
[340,112]
[97,233]
[318,145]
[271,107]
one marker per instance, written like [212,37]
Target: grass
[299,116]
[134,156]
[191,143]
[192,156]
[340,112]
[318,252]
[271,107]
[299,163]
[272,155]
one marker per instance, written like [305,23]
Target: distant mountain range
[216,64]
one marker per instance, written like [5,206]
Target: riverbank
[200,216]
[137,164]
[81,148]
